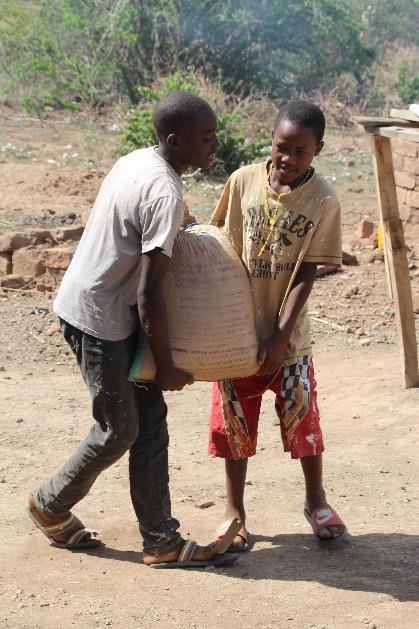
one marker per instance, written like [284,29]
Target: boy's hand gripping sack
[210,311]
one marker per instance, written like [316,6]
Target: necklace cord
[272,217]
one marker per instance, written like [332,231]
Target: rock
[29,261]
[53,328]
[349,259]
[360,331]
[365,228]
[353,290]
[13,240]
[326,270]
[205,505]
[365,342]
[5,263]
[44,286]
[40,236]
[58,257]
[416,303]
[13,281]
[69,233]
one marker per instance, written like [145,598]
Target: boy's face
[196,144]
[293,150]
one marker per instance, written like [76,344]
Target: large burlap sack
[210,311]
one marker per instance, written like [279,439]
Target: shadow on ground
[377,562]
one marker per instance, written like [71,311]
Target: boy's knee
[122,437]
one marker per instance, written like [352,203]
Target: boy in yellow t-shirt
[283,220]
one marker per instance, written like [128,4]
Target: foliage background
[66,53]
[244,57]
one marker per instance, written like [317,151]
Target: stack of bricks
[406,172]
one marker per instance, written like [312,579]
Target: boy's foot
[188,554]
[64,531]
[240,543]
[326,524]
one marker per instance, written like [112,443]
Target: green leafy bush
[234,150]
[100,51]
[407,85]
[139,131]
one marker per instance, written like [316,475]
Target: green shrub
[139,132]
[234,150]
[407,85]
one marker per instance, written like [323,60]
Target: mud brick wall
[406,172]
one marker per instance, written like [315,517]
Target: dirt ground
[369,420]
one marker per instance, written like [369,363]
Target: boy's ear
[172,140]
[319,147]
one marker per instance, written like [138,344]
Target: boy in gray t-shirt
[116,275]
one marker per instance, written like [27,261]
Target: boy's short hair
[305,114]
[177,108]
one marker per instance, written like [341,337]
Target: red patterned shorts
[236,407]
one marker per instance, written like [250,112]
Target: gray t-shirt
[139,208]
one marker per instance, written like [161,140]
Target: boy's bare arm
[271,353]
[153,317]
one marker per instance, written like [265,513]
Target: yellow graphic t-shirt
[307,227]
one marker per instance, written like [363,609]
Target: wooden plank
[369,121]
[410,135]
[397,258]
[404,114]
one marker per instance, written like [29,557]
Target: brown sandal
[72,528]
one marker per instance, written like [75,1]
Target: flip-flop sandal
[71,527]
[222,558]
[325,517]
[184,560]
[242,532]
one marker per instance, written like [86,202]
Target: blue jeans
[128,417]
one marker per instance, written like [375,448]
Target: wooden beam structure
[395,248]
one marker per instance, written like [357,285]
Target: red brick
[401,195]
[412,199]
[405,180]
[411,166]
[398,162]
[5,263]
[58,257]
[13,240]
[29,261]
[405,148]
[405,212]
[40,236]
[69,233]
[365,228]
[13,281]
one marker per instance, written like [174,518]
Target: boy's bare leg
[315,494]
[235,483]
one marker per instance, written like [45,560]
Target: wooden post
[397,259]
